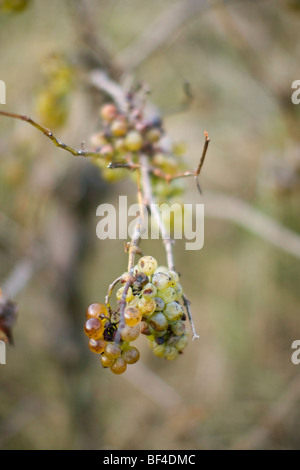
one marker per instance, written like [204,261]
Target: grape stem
[168,242]
[109,292]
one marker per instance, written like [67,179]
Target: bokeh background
[234,388]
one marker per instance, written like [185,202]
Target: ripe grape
[119,127]
[147,265]
[130,333]
[108,112]
[159,350]
[174,278]
[129,295]
[161,269]
[131,355]
[178,327]
[181,342]
[160,304]
[161,281]
[149,291]
[173,311]
[97,345]
[170,352]
[94,328]
[96,310]
[146,306]
[106,361]
[158,321]
[119,366]
[168,295]
[153,135]
[145,328]
[133,141]
[179,291]
[112,350]
[132,316]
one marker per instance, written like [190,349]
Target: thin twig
[50,135]
[165,236]
[149,201]
[187,305]
[109,292]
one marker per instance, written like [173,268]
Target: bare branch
[50,135]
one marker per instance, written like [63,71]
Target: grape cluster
[124,135]
[152,308]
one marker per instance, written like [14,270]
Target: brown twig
[50,135]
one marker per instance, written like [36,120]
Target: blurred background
[221,66]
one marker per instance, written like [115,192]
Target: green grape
[157,334]
[133,141]
[170,352]
[106,361]
[179,291]
[160,304]
[174,278]
[132,316]
[119,127]
[149,291]
[168,295]
[147,265]
[94,328]
[119,366]
[97,345]
[108,112]
[131,355]
[173,311]
[129,295]
[112,350]
[181,342]
[153,135]
[161,269]
[161,281]
[151,341]
[159,350]
[119,145]
[130,333]
[146,306]
[178,327]
[158,321]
